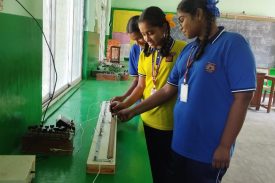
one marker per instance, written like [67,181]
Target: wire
[81,138]
[97,174]
[89,108]
[52,58]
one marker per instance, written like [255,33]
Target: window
[63,27]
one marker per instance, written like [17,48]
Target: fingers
[117,98]
[123,115]
[112,105]
[220,164]
[118,109]
[116,106]
[221,158]
[113,99]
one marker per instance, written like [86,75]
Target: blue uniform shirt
[133,60]
[227,66]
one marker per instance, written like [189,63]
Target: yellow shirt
[160,117]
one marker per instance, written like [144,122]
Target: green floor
[83,107]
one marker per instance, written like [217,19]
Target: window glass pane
[62,30]
[63,27]
[46,54]
[77,39]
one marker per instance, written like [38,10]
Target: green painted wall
[85,55]
[20,78]
[93,51]
[33,6]
[90,39]
[90,54]
[251,7]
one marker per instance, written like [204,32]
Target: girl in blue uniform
[214,79]
[135,35]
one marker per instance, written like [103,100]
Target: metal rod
[110,153]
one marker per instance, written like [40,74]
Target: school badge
[170,57]
[210,67]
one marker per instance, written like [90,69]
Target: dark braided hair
[132,25]
[155,17]
[191,7]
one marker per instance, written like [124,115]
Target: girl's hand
[221,158]
[118,98]
[125,115]
[116,106]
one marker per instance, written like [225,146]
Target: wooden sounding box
[102,156]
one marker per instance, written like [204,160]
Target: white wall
[251,7]
[90,15]
[91,12]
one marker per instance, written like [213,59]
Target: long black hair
[132,25]
[191,7]
[155,17]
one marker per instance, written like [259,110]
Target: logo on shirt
[210,67]
[170,57]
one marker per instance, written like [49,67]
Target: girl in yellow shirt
[155,63]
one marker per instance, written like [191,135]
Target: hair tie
[169,19]
[211,6]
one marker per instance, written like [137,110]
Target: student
[134,34]
[155,63]
[214,79]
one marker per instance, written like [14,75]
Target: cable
[97,174]
[87,120]
[53,62]
[81,138]
[90,106]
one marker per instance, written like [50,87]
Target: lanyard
[189,64]
[158,62]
